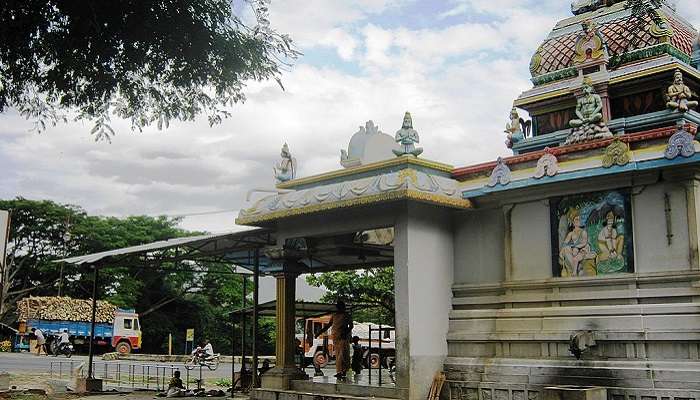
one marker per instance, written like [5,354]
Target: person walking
[40,341]
[342,325]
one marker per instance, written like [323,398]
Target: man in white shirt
[208,350]
[40,341]
[63,339]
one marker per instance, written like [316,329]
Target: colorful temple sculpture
[575,261]
[285,169]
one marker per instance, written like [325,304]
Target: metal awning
[239,248]
[303,309]
[232,247]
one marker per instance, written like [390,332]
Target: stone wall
[511,319]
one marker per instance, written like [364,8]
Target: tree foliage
[644,10]
[147,61]
[372,287]
[168,299]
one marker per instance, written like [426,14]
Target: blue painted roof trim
[586,173]
[619,125]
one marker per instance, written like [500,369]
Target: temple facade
[575,261]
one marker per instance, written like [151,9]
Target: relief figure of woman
[575,255]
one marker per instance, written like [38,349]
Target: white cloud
[458,81]
[327,23]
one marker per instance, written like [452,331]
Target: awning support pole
[243,326]
[91,352]
[233,353]
[256,275]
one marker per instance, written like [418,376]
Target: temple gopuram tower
[578,264]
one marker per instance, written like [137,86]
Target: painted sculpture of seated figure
[576,258]
[407,137]
[610,243]
[514,129]
[679,95]
[588,108]
[590,124]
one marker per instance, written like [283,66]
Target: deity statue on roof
[679,94]
[589,125]
[285,169]
[407,137]
[517,129]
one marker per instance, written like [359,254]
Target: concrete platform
[330,388]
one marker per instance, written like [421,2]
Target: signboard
[4,231]
[190,335]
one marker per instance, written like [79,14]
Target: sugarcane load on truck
[116,328]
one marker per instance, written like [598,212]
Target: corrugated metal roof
[230,241]
[302,309]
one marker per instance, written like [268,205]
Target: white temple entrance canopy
[323,213]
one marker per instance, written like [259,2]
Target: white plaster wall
[479,247]
[344,221]
[652,252]
[531,241]
[424,257]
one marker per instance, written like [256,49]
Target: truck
[117,329]
[319,351]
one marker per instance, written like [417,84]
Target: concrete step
[346,389]
[631,377]
[274,394]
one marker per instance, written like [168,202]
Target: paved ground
[29,363]
[51,374]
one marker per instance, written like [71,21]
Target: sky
[456,65]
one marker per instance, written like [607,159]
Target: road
[29,363]
[59,368]
[15,363]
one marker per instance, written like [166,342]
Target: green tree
[372,287]
[168,299]
[147,61]
[644,10]
[38,235]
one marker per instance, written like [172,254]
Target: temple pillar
[423,277]
[602,91]
[285,369]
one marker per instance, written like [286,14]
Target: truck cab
[126,332]
[316,350]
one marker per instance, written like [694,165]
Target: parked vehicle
[319,351]
[121,334]
[198,359]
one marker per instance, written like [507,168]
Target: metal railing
[126,375]
[381,331]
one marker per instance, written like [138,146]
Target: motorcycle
[200,359]
[65,349]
